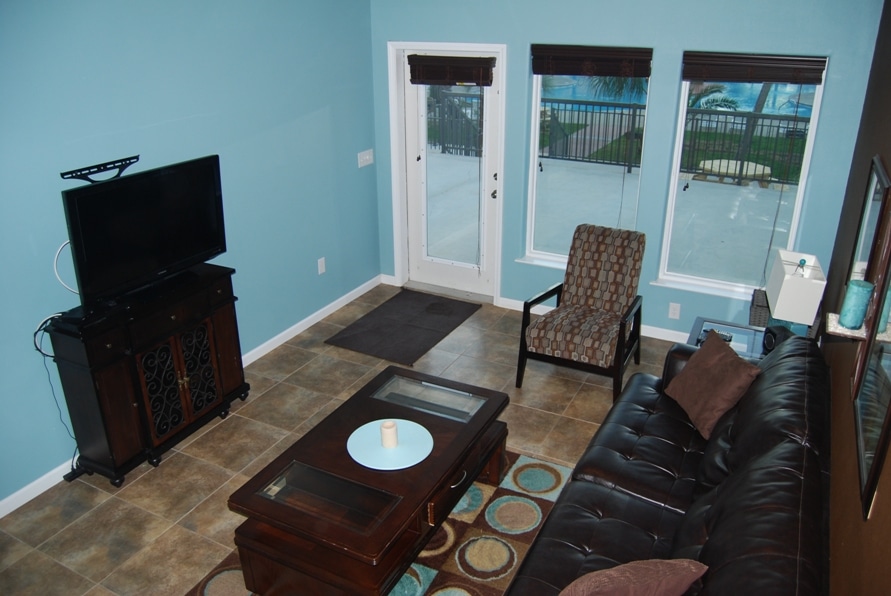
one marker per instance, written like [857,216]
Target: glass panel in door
[452,211]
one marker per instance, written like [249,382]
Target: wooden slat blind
[753,68]
[450,70]
[591,61]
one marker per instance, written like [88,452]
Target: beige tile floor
[166,527]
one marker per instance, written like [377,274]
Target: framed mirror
[869,221]
[872,368]
[871,417]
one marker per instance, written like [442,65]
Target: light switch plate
[366,158]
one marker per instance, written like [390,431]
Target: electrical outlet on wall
[322,265]
[674,310]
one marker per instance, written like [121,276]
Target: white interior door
[452,156]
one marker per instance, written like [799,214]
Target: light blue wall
[281,90]
[287,93]
[806,27]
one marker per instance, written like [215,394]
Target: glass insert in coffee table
[430,397]
[332,498]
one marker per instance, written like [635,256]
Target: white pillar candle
[389,437]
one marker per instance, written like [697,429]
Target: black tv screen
[133,231]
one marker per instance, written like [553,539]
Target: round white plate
[414,444]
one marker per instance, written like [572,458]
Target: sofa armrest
[677,357]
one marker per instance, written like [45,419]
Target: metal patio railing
[594,131]
[736,145]
[453,122]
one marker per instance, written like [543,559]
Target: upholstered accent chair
[596,324]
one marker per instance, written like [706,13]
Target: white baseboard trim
[538,309]
[664,334]
[34,489]
[51,478]
[311,320]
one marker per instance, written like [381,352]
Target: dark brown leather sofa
[750,503]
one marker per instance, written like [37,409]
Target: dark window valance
[753,68]
[450,70]
[591,61]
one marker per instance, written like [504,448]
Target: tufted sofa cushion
[588,530]
[760,530]
[786,401]
[646,446]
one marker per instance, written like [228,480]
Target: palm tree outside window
[747,123]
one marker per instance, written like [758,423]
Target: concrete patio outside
[721,230]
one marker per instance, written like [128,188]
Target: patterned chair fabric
[599,288]
[602,275]
[576,333]
[603,268]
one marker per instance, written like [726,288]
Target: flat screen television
[133,231]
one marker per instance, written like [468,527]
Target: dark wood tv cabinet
[143,374]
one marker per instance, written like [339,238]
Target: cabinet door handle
[457,484]
[172,317]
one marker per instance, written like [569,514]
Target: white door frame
[396,52]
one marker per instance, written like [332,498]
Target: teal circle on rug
[537,478]
[415,581]
[486,558]
[441,542]
[471,500]
[513,514]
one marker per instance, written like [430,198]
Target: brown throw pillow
[662,577]
[711,383]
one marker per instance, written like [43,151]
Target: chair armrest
[633,310]
[555,291]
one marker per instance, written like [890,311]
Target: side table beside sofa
[749,502]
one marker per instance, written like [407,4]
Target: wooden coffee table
[319,522]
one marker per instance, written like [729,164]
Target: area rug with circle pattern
[477,549]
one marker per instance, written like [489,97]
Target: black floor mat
[405,327]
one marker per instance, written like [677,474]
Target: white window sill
[554,262]
[724,290]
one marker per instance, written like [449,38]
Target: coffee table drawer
[488,450]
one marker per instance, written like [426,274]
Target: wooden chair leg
[521,366]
